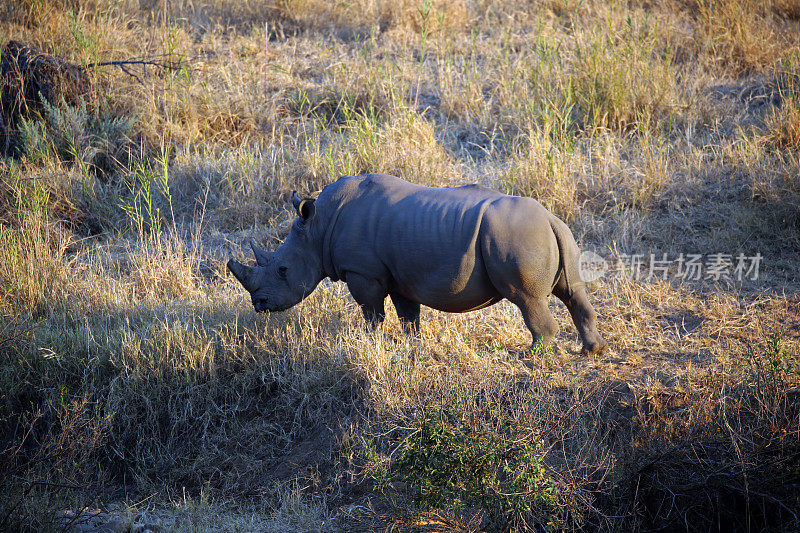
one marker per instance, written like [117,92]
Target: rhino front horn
[243,273]
[262,256]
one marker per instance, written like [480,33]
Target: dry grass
[747,34]
[651,127]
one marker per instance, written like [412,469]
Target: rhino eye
[282,272]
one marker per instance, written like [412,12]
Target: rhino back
[425,243]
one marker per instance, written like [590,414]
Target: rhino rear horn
[262,256]
[243,273]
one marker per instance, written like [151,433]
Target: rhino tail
[568,255]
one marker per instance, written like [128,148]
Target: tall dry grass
[667,128]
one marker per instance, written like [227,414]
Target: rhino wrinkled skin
[453,249]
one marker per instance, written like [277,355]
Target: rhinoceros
[453,249]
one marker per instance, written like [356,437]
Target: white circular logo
[592,266]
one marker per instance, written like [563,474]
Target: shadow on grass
[194,400]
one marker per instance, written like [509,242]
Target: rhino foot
[595,348]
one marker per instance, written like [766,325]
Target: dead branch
[124,64]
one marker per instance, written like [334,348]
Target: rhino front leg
[407,311]
[538,318]
[369,294]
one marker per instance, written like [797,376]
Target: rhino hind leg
[369,294]
[407,312]
[585,318]
[539,320]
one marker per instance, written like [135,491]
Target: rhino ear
[262,256]
[305,208]
[244,274]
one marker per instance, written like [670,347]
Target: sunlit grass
[137,362]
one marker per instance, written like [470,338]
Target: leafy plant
[88,137]
[34,140]
[771,372]
[460,463]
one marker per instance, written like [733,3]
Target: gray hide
[453,249]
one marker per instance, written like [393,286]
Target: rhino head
[286,276]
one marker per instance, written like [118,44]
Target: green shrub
[458,462]
[89,137]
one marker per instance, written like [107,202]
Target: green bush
[457,462]
[89,137]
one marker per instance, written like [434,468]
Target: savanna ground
[136,379]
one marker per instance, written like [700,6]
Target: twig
[124,64]
[170,65]
[129,73]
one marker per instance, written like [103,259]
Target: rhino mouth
[262,308]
